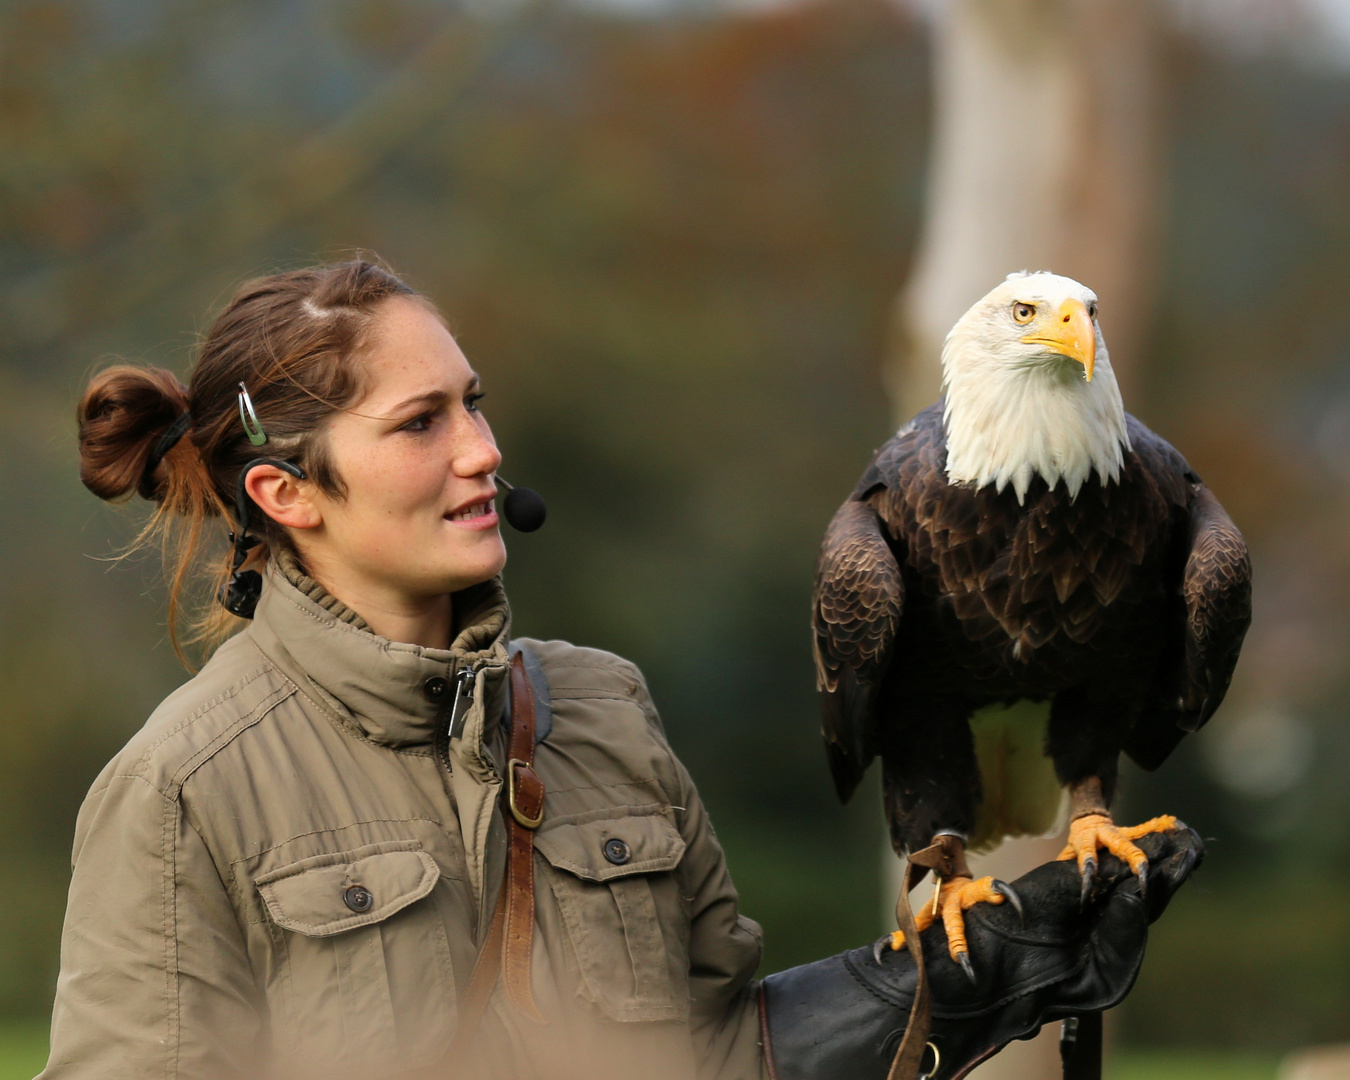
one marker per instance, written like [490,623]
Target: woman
[293,868]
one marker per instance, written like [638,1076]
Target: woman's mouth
[477,516]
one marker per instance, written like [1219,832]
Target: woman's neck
[388,612]
[427,625]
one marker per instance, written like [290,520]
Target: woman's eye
[419,423]
[1023,312]
[472,400]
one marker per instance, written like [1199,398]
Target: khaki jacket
[207,934]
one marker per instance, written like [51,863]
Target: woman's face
[417,458]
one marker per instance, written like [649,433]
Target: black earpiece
[239,595]
[523,508]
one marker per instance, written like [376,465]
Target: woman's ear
[283,498]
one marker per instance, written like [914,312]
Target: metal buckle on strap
[522,819]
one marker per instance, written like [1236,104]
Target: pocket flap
[607,844]
[327,894]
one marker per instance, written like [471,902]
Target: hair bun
[123,415]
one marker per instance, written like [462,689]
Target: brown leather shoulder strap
[510,937]
[525,810]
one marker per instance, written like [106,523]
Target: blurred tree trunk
[1045,157]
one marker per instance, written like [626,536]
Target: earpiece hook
[240,594]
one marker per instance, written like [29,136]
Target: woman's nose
[479,454]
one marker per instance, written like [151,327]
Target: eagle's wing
[1215,610]
[859,595]
[1217,589]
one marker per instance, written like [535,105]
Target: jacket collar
[385,689]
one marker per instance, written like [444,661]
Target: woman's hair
[294,339]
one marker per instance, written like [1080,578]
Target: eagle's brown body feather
[1126,606]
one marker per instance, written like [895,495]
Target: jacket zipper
[459,710]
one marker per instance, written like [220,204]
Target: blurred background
[704,253]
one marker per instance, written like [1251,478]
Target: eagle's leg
[1087,730]
[931,785]
[1091,829]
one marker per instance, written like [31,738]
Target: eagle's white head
[1029,389]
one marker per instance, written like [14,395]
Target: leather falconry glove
[842,1018]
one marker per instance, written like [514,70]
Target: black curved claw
[1010,894]
[1089,873]
[881,944]
[963,958]
[1142,877]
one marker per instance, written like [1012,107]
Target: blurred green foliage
[1133,1065]
[670,245]
[23,1050]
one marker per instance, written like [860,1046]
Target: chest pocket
[612,874]
[364,969]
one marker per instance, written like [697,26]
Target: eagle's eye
[1023,313]
[1092,310]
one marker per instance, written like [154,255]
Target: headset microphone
[523,508]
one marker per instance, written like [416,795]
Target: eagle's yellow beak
[1070,334]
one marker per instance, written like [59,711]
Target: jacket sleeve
[724,946]
[155,980]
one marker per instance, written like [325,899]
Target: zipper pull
[459,711]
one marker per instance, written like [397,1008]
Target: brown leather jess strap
[945,858]
[510,937]
[909,1054]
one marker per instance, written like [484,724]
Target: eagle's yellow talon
[1092,832]
[956,895]
[1163,823]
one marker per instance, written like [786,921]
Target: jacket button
[617,852]
[435,688]
[358,898]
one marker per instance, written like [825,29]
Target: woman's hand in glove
[843,1017]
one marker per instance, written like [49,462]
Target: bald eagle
[1026,582]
